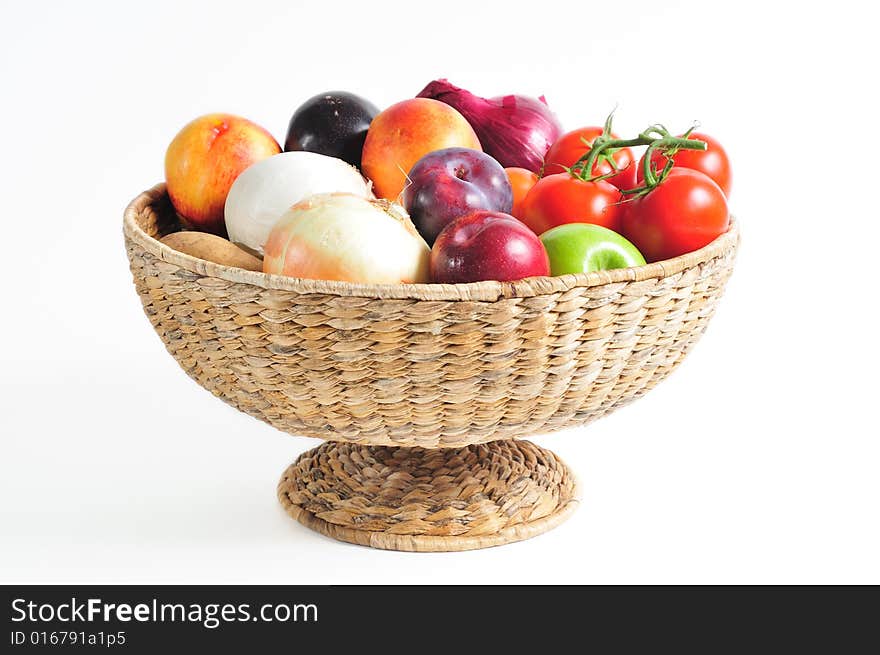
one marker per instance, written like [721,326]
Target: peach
[203,161]
[402,134]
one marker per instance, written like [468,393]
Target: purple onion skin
[515,130]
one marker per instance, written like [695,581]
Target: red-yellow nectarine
[203,161]
[399,136]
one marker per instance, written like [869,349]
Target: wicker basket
[390,373]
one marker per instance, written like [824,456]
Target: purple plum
[449,183]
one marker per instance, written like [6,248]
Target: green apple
[583,247]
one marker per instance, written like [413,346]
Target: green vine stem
[656,138]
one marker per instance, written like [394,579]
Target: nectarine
[203,161]
[402,134]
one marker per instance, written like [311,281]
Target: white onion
[341,236]
[267,189]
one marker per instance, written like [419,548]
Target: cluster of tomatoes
[670,201]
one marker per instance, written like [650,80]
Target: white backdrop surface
[755,462]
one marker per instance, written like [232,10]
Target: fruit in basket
[333,124]
[487,245]
[203,161]
[583,248]
[269,188]
[564,198]
[212,248]
[343,236]
[571,146]
[712,162]
[402,134]
[521,180]
[516,130]
[452,182]
[684,212]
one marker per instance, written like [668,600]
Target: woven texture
[429,500]
[421,365]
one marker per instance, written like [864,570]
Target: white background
[756,462]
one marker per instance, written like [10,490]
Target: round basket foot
[428,500]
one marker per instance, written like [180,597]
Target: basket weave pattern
[429,500]
[422,365]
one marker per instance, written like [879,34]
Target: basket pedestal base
[418,499]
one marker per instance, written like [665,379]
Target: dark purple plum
[449,183]
[333,124]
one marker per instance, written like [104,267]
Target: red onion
[515,130]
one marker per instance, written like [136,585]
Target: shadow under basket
[422,390]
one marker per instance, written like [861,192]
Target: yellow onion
[343,236]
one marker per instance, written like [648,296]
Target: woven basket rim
[472,291]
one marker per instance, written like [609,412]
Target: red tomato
[713,161]
[570,147]
[561,198]
[522,180]
[683,213]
